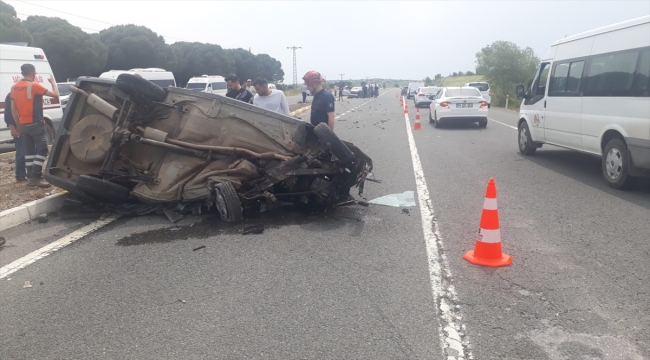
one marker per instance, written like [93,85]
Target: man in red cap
[322,106]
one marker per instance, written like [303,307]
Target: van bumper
[639,156]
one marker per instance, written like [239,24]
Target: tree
[428,81]
[454,74]
[469,73]
[131,46]
[438,76]
[11,28]
[460,73]
[363,83]
[70,51]
[504,65]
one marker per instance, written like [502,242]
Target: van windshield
[196,86]
[480,86]
[462,92]
[219,86]
[164,82]
[64,89]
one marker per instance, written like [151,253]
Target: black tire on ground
[139,89]
[616,164]
[482,123]
[526,146]
[430,117]
[333,143]
[100,188]
[50,133]
[436,123]
[227,202]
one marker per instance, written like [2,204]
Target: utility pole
[295,67]
[341,76]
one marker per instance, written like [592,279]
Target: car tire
[333,143]
[436,123]
[482,123]
[102,189]
[616,164]
[430,117]
[526,146]
[139,89]
[50,133]
[227,202]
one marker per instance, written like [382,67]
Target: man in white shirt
[269,99]
[249,86]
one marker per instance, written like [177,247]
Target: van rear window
[219,86]
[196,86]
[462,92]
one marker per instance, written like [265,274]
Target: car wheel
[227,202]
[482,123]
[102,189]
[616,164]
[436,122]
[430,118]
[50,133]
[139,89]
[526,146]
[333,143]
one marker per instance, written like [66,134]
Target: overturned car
[130,142]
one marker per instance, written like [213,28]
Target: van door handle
[544,104]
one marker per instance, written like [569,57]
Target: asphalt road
[355,283]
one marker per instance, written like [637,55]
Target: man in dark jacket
[21,173]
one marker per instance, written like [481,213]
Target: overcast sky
[400,39]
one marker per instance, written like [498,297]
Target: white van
[413,89]
[484,88]
[160,77]
[208,83]
[591,93]
[11,58]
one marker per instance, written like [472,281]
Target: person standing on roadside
[304,93]
[250,87]
[236,91]
[341,88]
[322,106]
[376,90]
[365,91]
[27,107]
[21,174]
[270,99]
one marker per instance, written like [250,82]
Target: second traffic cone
[418,124]
[406,108]
[487,250]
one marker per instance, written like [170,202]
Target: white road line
[453,340]
[57,245]
[499,122]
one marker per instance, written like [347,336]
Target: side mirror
[521,93]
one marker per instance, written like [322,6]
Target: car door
[564,104]
[535,103]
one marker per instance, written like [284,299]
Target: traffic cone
[401,102]
[406,108]
[418,124]
[487,250]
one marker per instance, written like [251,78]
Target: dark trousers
[304,97]
[19,144]
[35,140]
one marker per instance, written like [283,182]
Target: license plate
[464,105]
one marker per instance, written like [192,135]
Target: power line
[295,67]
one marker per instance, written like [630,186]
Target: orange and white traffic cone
[487,250]
[418,124]
[406,108]
[401,102]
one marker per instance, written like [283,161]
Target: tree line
[73,52]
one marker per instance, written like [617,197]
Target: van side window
[611,74]
[566,77]
[538,86]
[642,78]
[540,89]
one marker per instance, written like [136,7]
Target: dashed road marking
[504,124]
[57,245]
[453,341]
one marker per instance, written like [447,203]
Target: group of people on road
[257,93]
[24,116]
[371,90]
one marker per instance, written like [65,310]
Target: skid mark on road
[453,338]
[57,245]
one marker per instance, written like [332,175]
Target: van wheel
[616,164]
[333,143]
[526,146]
[227,202]
[139,89]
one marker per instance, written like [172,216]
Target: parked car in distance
[64,93]
[484,88]
[458,104]
[405,90]
[412,88]
[356,92]
[425,95]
